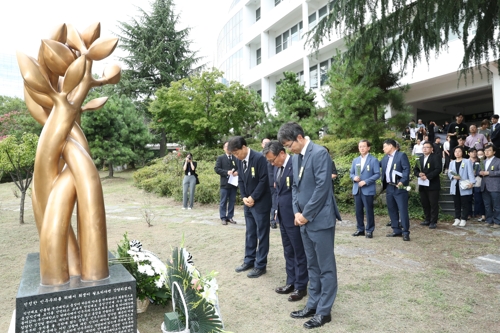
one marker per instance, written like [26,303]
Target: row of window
[320,69]
[284,40]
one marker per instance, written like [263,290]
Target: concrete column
[496,91]
[265,90]
[307,83]
[264,46]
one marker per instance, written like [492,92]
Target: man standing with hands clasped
[256,196]
[365,171]
[428,169]
[395,180]
[226,167]
[316,213]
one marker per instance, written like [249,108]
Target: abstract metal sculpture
[55,87]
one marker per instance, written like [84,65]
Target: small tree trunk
[21,207]
[110,174]
[163,143]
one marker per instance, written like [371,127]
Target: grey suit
[490,188]
[313,197]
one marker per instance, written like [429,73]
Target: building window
[276,2]
[323,72]
[257,14]
[313,77]
[286,36]
[312,20]
[259,92]
[259,57]
[322,12]
[300,77]
[278,44]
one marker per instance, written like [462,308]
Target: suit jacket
[370,174]
[222,166]
[495,138]
[492,181]
[432,170]
[283,194]
[401,164]
[465,171]
[312,188]
[254,182]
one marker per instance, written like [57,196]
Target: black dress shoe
[304,313]
[274,225]
[394,235]
[297,295]
[406,238]
[318,321]
[425,223]
[243,267]
[256,272]
[388,224]
[231,221]
[369,235]
[358,233]
[224,221]
[285,289]
[433,226]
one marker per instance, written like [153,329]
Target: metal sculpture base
[99,306]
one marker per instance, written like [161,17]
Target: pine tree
[407,31]
[116,133]
[158,54]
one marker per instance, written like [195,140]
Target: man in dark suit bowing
[395,179]
[295,257]
[226,167]
[256,196]
[495,134]
[428,169]
[316,213]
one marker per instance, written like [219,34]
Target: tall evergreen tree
[356,101]
[116,133]
[292,103]
[158,54]
[407,30]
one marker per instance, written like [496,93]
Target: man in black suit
[271,184]
[254,190]
[295,257]
[226,167]
[428,169]
[495,134]
[316,213]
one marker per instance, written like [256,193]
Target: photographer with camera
[189,182]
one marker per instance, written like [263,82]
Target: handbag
[478,181]
[197,179]
[464,184]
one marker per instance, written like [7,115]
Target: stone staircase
[445,198]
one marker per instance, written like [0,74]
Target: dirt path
[431,284]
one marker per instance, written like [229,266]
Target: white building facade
[264,38]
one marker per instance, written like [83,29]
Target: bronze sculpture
[56,85]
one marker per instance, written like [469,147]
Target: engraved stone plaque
[99,306]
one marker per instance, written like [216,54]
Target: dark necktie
[245,166]
[280,173]
[300,160]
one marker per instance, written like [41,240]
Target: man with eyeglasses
[293,248]
[427,169]
[490,185]
[316,213]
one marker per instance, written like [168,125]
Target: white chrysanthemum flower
[141,269]
[149,270]
[159,283]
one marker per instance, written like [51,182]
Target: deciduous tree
[200,110]
[17,158]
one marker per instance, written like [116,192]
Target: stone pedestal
[102,306]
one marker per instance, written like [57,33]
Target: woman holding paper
[461,173]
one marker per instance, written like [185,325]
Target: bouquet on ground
[149,271]
[200,294]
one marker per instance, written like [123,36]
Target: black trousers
[429,200]
[462,205]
